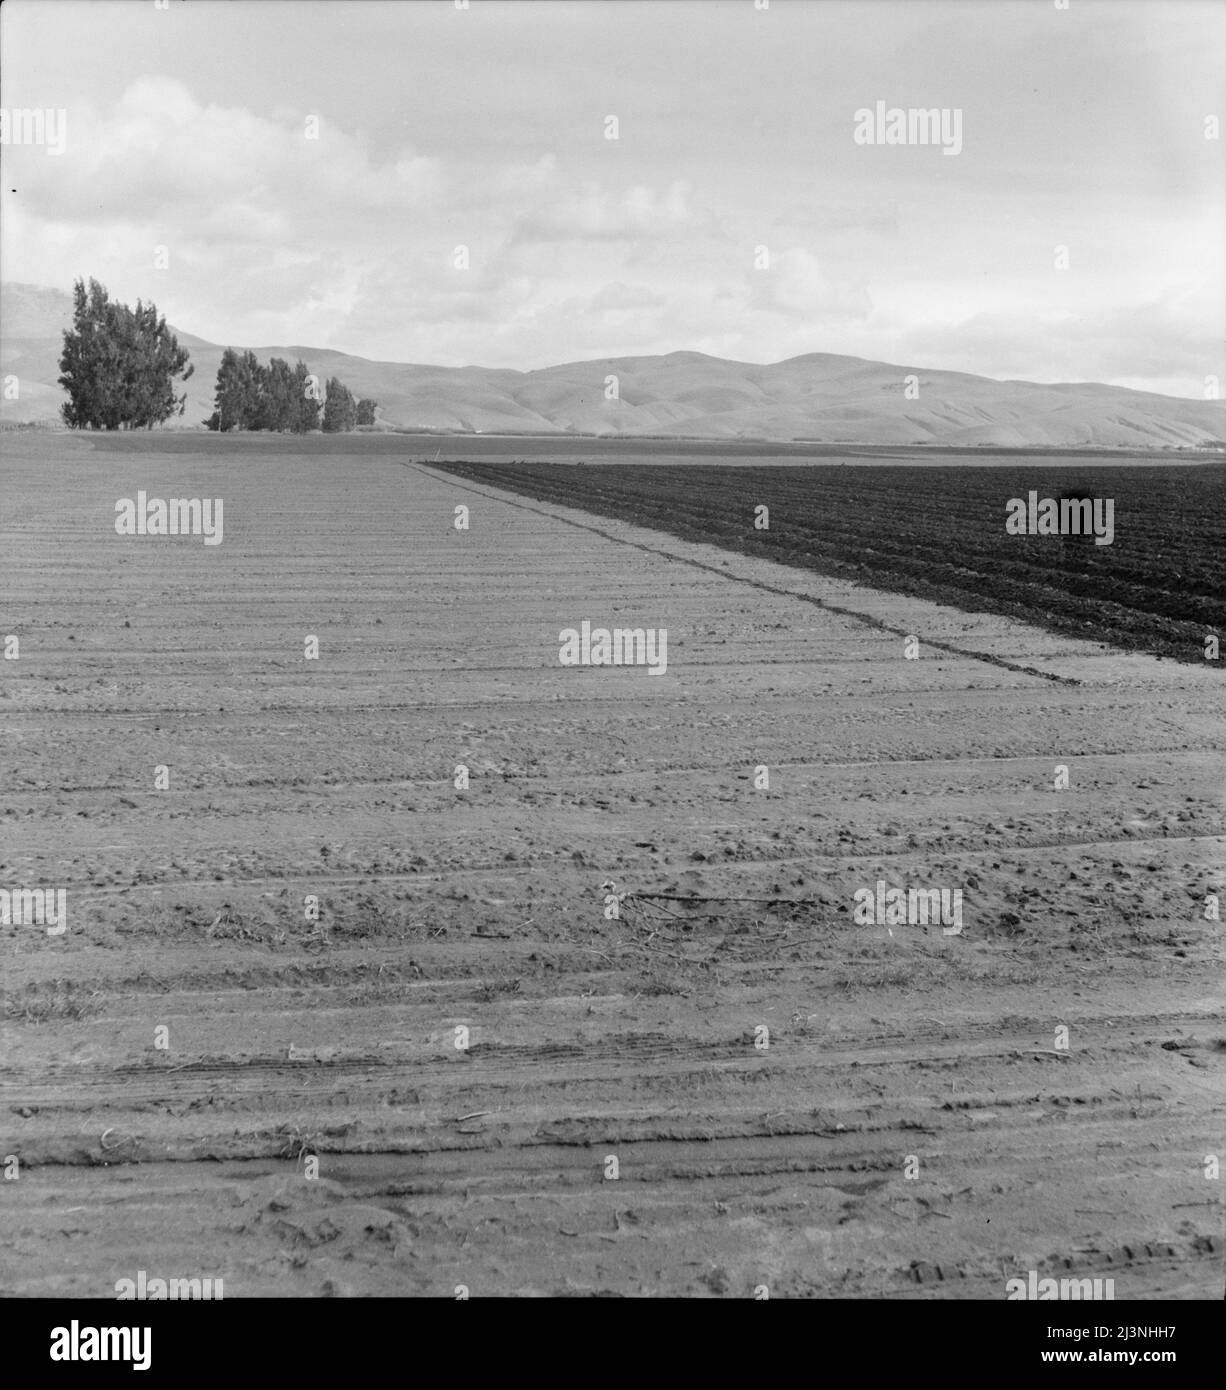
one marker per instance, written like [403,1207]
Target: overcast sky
[439,127]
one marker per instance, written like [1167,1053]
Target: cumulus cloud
[162,154]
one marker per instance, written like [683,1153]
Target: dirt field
[737,1166]
[1156,583]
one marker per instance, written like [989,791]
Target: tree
[119,365]
[306,400]
[340,409]
[366,411]
[280,403]
[239,394]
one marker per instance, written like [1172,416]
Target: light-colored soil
[589,1038]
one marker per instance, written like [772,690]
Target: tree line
[120,367]
[253,396]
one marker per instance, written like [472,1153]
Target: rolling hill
[820,396]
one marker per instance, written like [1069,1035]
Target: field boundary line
[867,619]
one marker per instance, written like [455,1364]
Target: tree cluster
[119,365]
[252,396]
[343,412]
[340,408]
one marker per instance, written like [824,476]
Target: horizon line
[659,356]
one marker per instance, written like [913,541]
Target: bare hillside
[819,396]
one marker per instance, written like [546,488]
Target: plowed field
[916,1124]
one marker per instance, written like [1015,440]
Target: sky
[310,169]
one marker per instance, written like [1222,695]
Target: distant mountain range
[820,396]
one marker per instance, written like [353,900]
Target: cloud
[619,298]
[595,213]
[161,155]
[795,285]
[1162,340]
